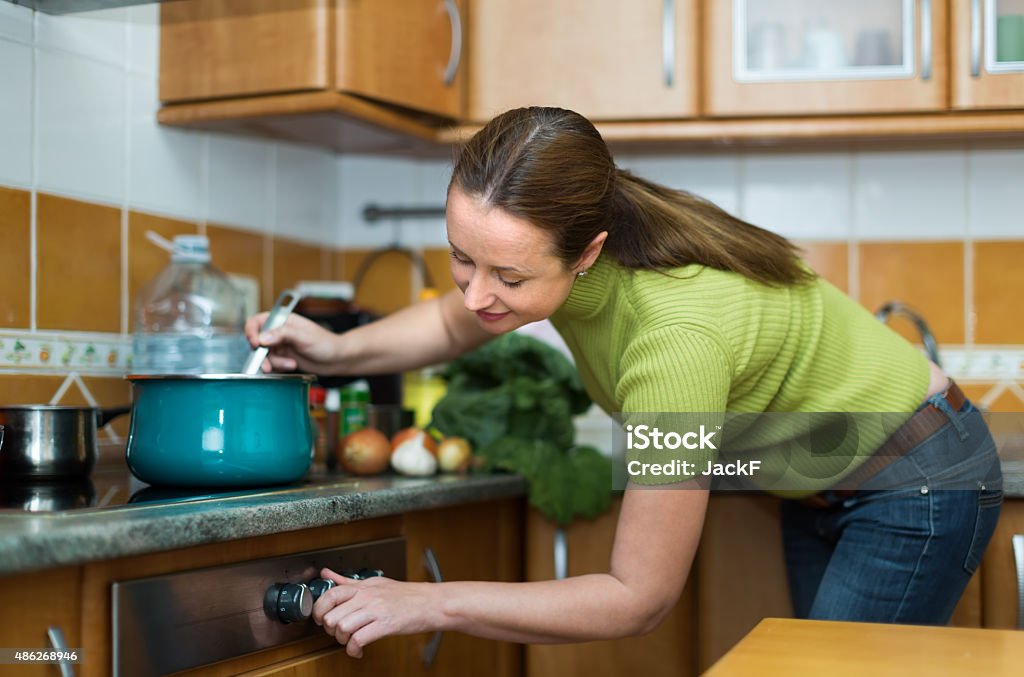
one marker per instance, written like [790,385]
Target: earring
[582,273]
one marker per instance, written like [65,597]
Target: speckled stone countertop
[30,541]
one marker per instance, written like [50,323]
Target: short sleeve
[674,390]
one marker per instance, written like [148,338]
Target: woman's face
[504,265]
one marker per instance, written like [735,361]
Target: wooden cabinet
[387,51]
[34,603]
[475,542]
[805,57]
[988,54]
[1002,570]
[668,650]
[606,59]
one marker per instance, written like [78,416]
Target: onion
[454,454]
[364,452]
[415,453]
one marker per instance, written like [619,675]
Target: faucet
[890,308]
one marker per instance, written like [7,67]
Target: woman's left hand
[358,612]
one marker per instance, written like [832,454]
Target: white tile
[910,195]
[712,177]
[143,52]
[163,163]
[305,195]
[383,181]
[432,177]
[996,185]
[15,113]
[238,189]
[799,195]
[98,34]
[81,127]
[15,22]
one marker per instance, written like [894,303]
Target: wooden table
[790,648]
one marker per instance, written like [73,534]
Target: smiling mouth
[491,317]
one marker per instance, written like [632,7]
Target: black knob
[369,573]
[319,587]
[288,602]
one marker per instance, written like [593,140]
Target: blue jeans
[900,555]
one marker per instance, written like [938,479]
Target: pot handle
[108,414]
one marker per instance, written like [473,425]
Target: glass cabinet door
[1004,35]
[793,40]
[812,57]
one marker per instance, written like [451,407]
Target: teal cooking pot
[220,430]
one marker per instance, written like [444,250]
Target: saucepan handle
[108,414]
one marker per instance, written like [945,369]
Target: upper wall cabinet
[825,56]
[988,54]
[606,59]
[405,54]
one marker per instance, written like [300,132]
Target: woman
[669,305]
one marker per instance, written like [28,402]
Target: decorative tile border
[984,363]
[62,352]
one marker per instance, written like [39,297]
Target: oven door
[185,620]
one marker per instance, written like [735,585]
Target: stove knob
[369,573]
[319,587]
[290,602]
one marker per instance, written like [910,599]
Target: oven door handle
[434,569]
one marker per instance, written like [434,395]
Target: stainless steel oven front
[183,620]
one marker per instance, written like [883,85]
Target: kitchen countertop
[30,541]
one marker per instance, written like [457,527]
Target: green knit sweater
[705,340]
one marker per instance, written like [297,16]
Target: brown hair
[550,167]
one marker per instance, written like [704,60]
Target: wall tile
[96,35]
[25,389]
[294,262]
[998,290]
[801,195]
[109,392]
[910,195]
[830,260]
[15,113]
[432,177]
[238,183]
[143,52]
[928,276]
[163,163]
[713,177]
[145,259]
[15,258]
[15,22]
[387,284]
[996,199]
[365,180]
[238,252]
[81,127]
[307,183]
[79,269]
[438,262]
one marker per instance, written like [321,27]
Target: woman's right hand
[299,344]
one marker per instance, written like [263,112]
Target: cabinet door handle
[976,38]
[1018,563]
[455,56]
[432,567]
[668,41]
[926,39]
[58,643]
[561,551]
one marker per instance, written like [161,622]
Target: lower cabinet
[1002,570]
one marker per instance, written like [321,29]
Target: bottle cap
[317,395]
[191,249]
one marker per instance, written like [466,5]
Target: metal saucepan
[50,442]
[220,430]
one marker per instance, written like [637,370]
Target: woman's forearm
[416,336]
[581,608]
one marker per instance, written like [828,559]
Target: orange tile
[110,392]
[386,285]
[829,260]
[998,292]
[15,258]
[976,391]
[927,276]
[1008,401]
[79,265]
[26,389]
[294,262]
[439,264]
[145,259]
[239,252]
